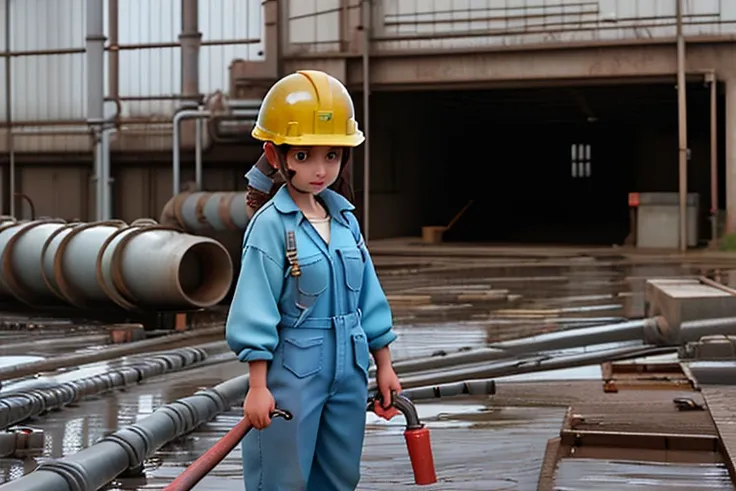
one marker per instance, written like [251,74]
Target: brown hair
[255,198]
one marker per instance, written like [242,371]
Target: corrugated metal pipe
[137,266]
[205,211]
[18,406]
[97,465]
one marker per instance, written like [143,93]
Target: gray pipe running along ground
[10,372]
[95,466]
[28,347]
[18,406]
[637,330]
[525,365]
[644,330]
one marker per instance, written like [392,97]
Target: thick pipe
[9,109]
[111,264]
[682,127]
[366,118]
[202,211]
[95,48]
[18,406]
[20,257]
[69,262]
[176,138]
[154,267]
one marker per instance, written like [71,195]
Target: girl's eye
[331,155]
[301,156]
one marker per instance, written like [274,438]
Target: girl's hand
[387,382]
[257,407]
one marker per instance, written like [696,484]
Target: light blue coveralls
[316,331]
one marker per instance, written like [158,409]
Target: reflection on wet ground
[477,445]
[609,475]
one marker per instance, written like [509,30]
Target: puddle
[578,474]
[9,361]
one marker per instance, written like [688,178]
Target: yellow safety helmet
[308,108]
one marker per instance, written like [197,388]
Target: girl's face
[316,167]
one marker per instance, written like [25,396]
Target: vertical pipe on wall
[113,89]
[95,49]
[366,118]
[711,78]
[198,154]
[9,111]
[106,178]
[190,39]
[682,126]
[113,58]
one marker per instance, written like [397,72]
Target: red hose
[203,465]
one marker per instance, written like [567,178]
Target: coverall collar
[336,204]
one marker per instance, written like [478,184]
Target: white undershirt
[322,225]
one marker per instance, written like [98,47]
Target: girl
[308,307]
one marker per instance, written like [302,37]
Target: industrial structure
[546,114]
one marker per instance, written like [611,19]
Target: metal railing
[441,25]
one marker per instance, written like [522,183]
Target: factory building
[530,121]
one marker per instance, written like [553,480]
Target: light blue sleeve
[251,326]
[377,318]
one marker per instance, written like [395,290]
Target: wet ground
[488,443]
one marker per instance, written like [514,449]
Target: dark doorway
[548,165]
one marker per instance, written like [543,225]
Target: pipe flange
[214,395]
[49,284]
[195,418]
[176,417]
[11,278]
[116,273]
[224,205]
[112,293]
[72,472]
[71,295]
[177,206]
[136,455]
[658,331]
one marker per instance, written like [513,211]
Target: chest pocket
[353,267]
[312,281]
[352,262]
